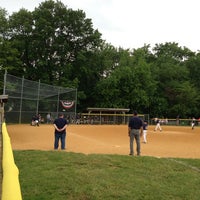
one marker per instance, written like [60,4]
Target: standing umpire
[134,131]
[60,125]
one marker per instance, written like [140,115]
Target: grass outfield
[57,175]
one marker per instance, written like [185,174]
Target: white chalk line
[185,164]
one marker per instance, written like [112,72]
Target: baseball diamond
[173,141]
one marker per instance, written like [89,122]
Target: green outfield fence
[117,119]
[107,118]
[175,122]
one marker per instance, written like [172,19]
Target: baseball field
[173,141]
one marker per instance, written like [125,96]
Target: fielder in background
[35,120]
[193,123]
[157,125]
[60,125]
[145,127]
[135,130]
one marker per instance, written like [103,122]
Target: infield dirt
[173,141]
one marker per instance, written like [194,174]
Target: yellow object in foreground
[10,184]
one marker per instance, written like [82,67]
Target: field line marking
[185,164]
[88,138]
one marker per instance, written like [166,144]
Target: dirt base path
[173,141]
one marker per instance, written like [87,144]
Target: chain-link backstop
[27,98]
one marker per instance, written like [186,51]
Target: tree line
[59,46]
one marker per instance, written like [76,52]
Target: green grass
[56,175]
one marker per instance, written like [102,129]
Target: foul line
[186,165]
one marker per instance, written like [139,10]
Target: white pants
[158,127]
[145,135]
[193,125]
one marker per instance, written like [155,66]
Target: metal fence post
[21,99]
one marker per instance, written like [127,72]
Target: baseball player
[193,123]
[157,125]
[145,127]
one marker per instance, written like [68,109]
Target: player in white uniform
[145,127]
[193,122]
[157,125]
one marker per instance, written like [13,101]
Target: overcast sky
[133,23]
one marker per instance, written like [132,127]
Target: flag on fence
[67,104]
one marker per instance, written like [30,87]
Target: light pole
[3,99]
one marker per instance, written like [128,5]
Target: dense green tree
[9,55]
[193,65]
[20,33]
[3,22]
[92,67]
[130,84]
[51,38]
[171,74]
[60,47]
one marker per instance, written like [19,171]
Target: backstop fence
[28,98]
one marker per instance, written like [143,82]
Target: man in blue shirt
[60,125]
[135,130]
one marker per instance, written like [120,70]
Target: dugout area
[107,116]
[172,142]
